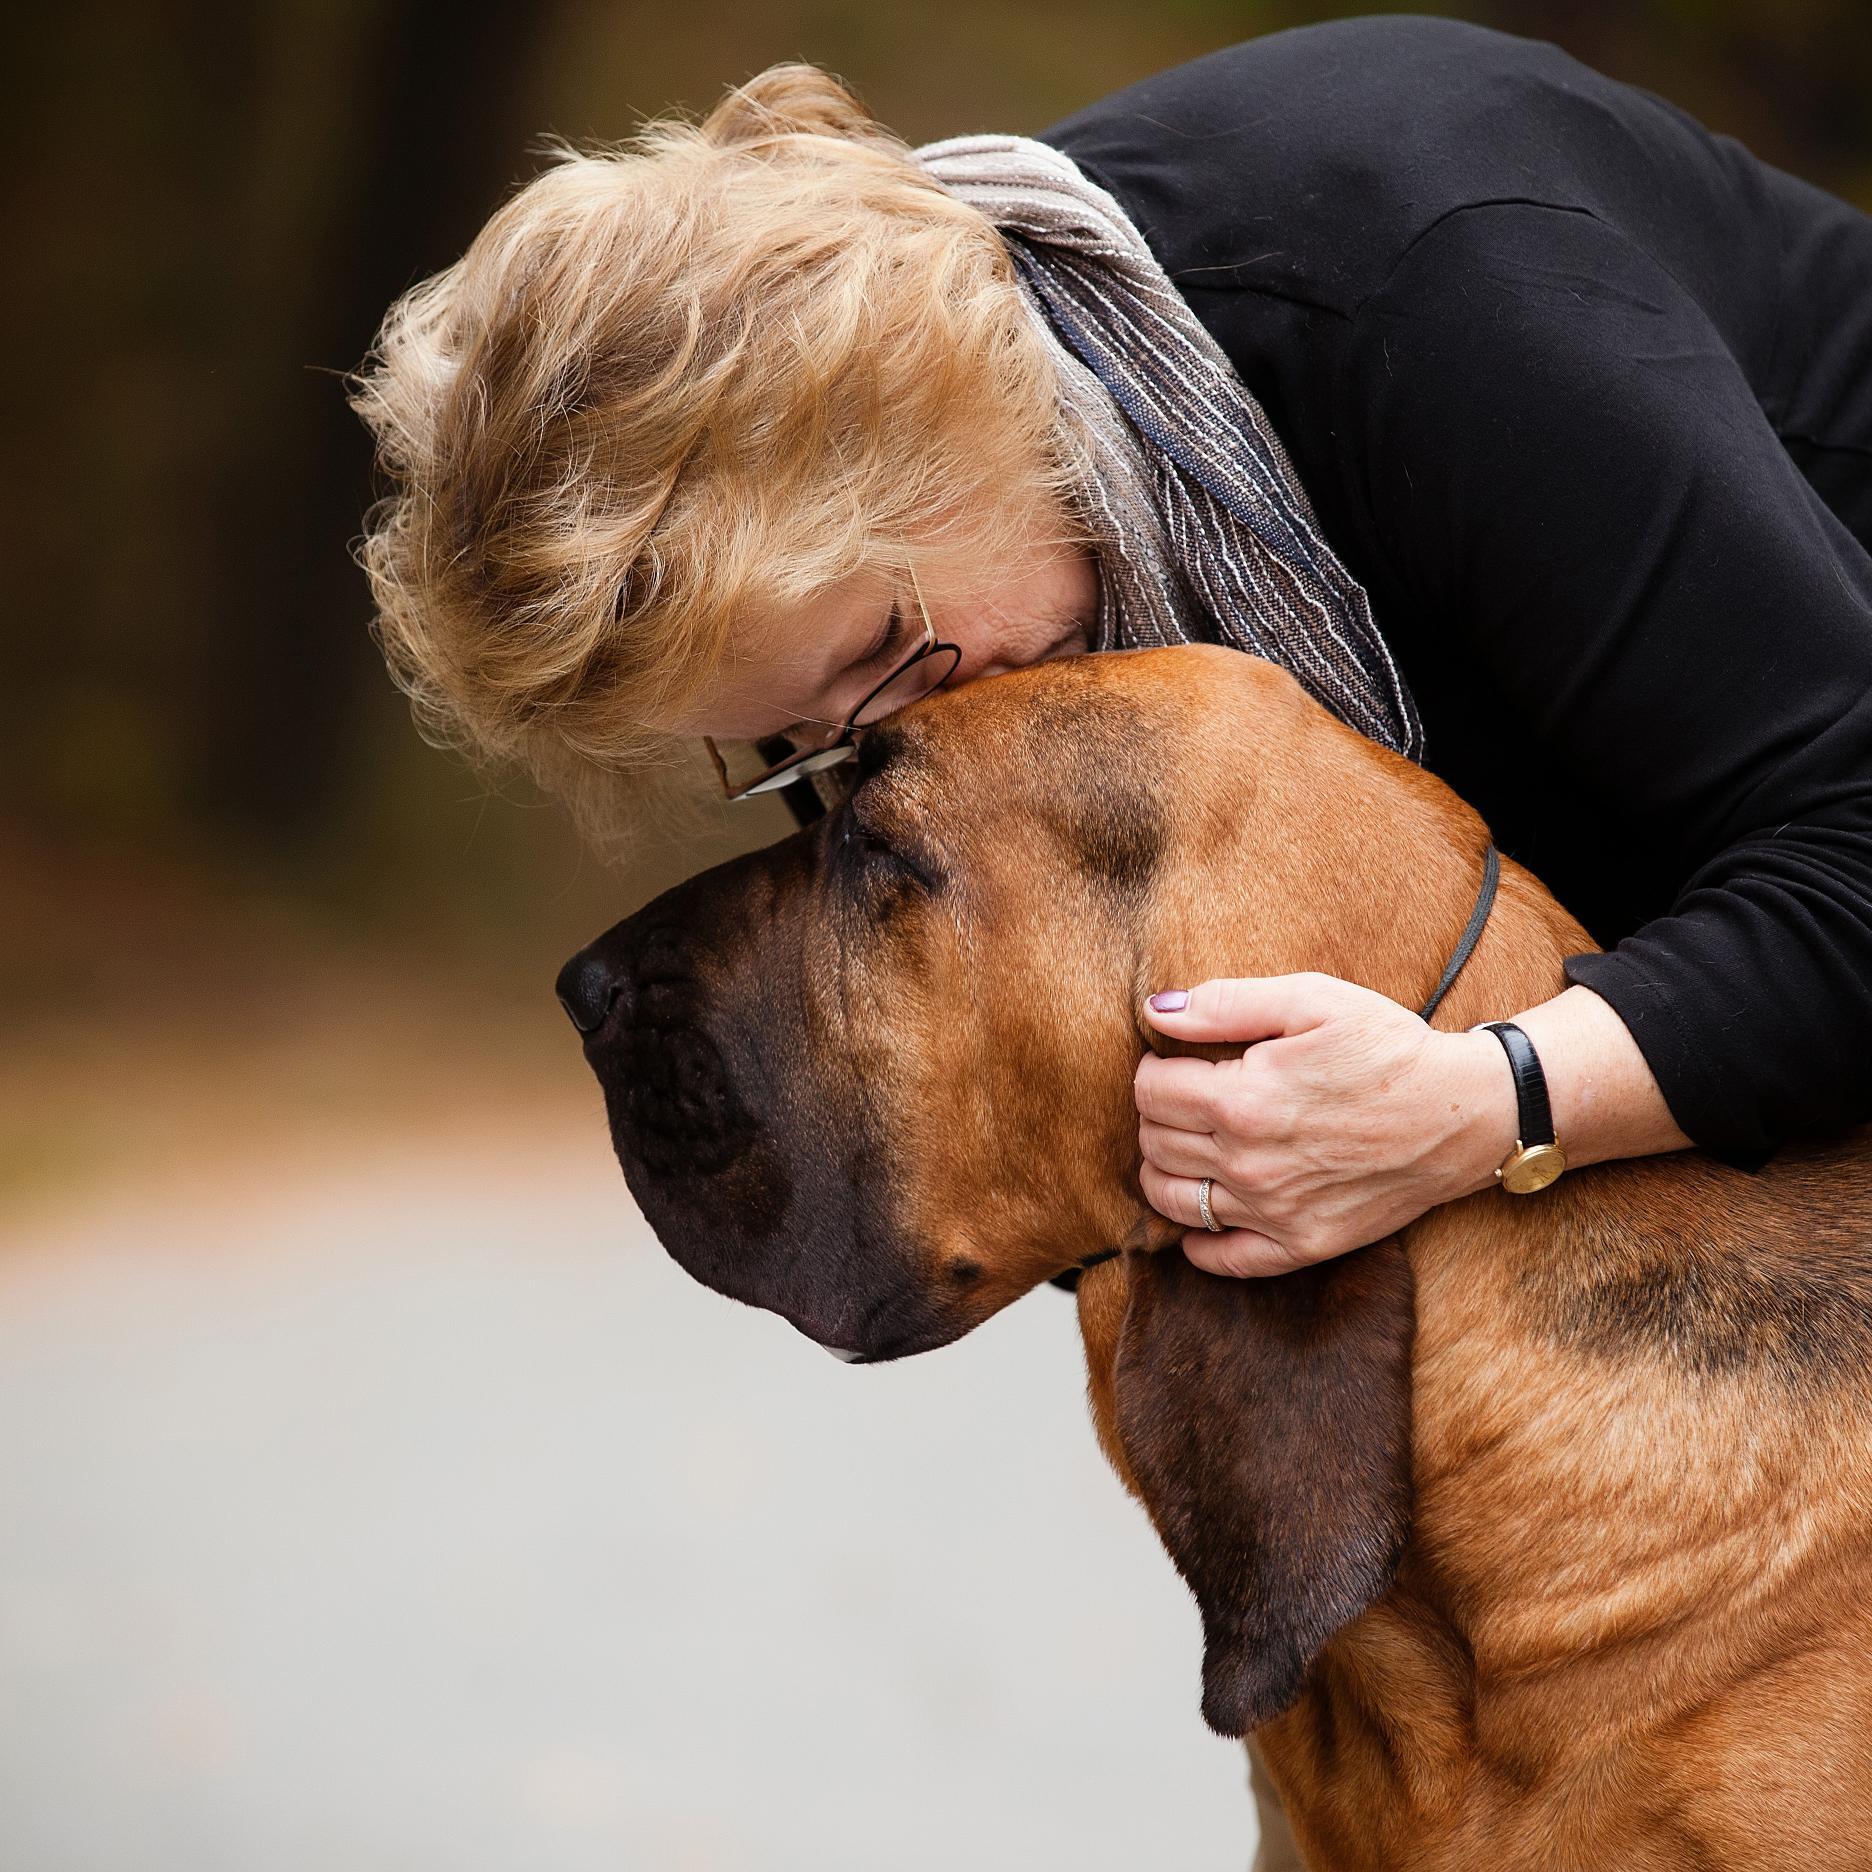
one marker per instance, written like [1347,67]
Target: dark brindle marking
[1699,1289]
[1110,821]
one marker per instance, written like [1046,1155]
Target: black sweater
[1583,396]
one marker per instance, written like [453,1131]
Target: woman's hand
[1347,1118]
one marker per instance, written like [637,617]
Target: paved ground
[420,1514]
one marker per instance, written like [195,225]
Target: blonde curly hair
[673,384]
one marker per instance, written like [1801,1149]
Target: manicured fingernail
[1171,1001]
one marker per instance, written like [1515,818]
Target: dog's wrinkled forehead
[1070,764]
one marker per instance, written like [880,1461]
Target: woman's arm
[1605,1101]
[1348,1117]
[1563,458]
[1566,461]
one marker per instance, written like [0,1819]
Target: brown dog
[1537,1535]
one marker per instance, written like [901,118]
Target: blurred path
[402,1506]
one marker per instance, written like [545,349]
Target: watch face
[1533,1168]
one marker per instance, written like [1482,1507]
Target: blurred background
[372,1492]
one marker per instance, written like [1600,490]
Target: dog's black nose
[587,987]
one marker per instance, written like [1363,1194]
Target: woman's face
[802,673]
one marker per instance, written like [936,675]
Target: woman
[711,436]
[1579,395]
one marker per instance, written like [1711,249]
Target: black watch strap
[1530,1083]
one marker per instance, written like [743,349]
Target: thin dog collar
[1484,903]
[1465,947]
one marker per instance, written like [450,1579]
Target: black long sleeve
[1583,396]
[1565,460]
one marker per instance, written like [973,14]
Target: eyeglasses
[925,669]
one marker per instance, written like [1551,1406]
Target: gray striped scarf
[1202,528]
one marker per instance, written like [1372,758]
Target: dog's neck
[1395,932]
[1649,1345]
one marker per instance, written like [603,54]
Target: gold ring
[1202,1202]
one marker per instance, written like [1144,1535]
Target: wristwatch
[1537,1157]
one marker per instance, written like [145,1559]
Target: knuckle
[1335,999]
[1220,997]
[1156,1187]
[1208,1253]
[1274,1120]
[1288,1258]
[1278,1195]
[1309,1245]
[1242,1259]
[1243,1173]
[1228,1115]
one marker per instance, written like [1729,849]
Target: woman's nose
[972,668]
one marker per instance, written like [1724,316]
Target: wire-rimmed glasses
[926,668]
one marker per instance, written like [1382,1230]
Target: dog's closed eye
[875,854]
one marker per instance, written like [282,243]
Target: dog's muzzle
[741,1139]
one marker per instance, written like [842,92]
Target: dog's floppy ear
[1265,1424]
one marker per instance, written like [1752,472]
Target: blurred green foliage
[214,203]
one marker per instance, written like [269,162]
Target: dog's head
[878,1079]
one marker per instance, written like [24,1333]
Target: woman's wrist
[1482,1101]
[1604,1099]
